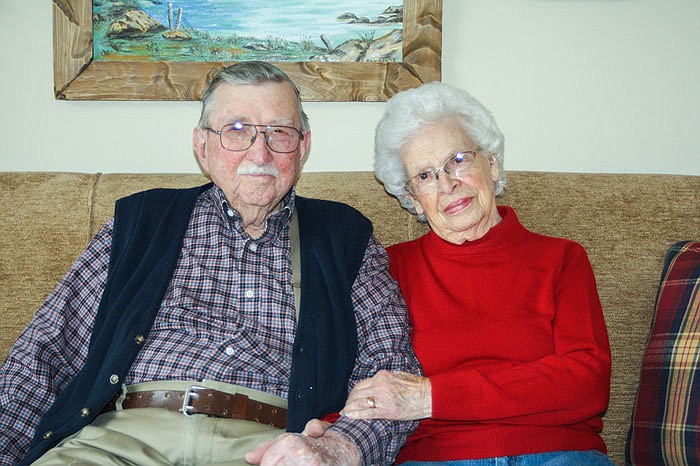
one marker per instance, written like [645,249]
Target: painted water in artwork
[225,30]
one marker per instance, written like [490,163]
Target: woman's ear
[416,204]
[494,167]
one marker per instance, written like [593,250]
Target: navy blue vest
[148,231]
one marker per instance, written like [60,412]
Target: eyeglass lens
[426,181]
[240,136]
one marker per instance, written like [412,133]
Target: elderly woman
[507,323]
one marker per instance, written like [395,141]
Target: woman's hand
[398,396]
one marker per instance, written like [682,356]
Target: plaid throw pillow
[666,420]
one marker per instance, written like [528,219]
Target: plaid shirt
[228,315]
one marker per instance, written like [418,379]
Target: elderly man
[201,323]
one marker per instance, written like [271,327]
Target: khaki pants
[159,437]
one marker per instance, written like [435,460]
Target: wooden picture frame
[78,77]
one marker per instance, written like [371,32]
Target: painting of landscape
[226,30]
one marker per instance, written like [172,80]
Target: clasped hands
[387,395]
[315,446]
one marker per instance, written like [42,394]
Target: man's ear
[304,147]
[199,144]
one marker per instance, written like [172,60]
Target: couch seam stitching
[91,205]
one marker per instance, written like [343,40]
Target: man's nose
[259,152]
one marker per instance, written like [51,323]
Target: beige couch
[626,223]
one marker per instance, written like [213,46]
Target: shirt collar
[275,222]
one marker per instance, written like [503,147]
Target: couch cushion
[666,420]
[43,228]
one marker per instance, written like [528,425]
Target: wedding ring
[371,402]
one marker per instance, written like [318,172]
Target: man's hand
[315,447]
[316,428]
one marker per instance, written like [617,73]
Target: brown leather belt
[201,400]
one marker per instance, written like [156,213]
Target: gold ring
[371,402]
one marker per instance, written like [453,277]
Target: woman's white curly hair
[409,111]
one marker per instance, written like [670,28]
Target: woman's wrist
[427,396]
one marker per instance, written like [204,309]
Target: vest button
[85,412]
[140,339]
[47,435]
[114,379]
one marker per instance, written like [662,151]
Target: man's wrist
[344,448]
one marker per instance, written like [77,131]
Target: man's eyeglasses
[239,136]
[426,182]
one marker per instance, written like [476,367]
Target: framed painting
[91,63]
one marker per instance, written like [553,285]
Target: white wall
[576,85]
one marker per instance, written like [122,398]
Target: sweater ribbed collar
[502,235]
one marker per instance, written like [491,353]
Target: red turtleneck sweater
[510,331]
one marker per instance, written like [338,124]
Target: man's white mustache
[252,169]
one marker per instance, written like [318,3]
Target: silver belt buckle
[186,408]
